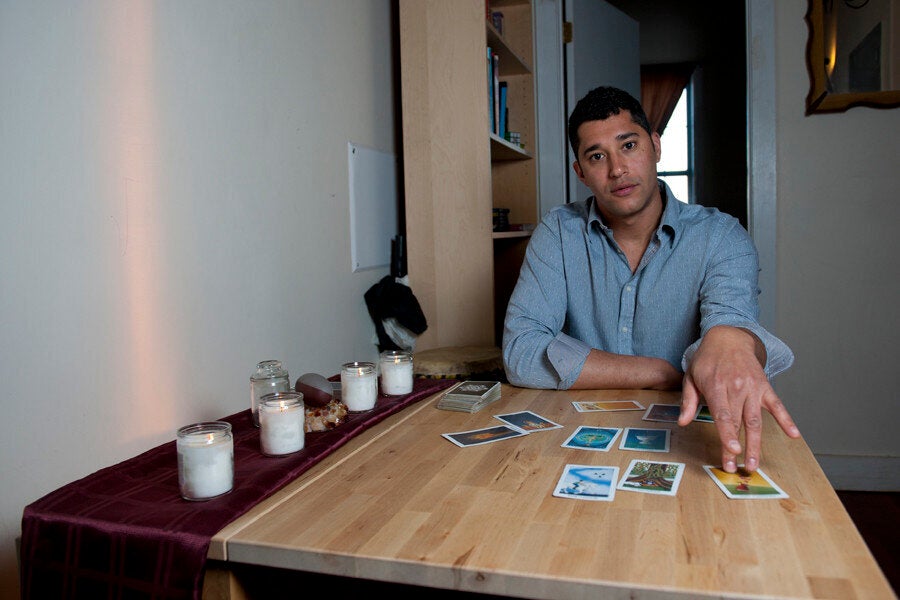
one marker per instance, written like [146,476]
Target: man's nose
[616,167]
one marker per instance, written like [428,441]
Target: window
[676,166]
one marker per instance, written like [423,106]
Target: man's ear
[657,145]
[576,166]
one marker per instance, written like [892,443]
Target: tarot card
[587,482]
[745,484]
[667,413]
[592,438]
[607,405]
[485,435]
[527,421]
[652,477]
[647,440]
[703,415]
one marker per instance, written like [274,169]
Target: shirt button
[627,288]
[624,330]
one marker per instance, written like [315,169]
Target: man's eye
[597,156]
[629,145]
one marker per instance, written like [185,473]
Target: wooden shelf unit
[456,170]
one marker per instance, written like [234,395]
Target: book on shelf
[470,396]
[490,88]
[504,113]
[495,61]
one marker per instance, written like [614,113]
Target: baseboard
[861,473]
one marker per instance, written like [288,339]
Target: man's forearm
[605,370]
[728,338]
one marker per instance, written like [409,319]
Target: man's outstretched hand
[727,372]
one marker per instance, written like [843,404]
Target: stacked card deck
[470,396]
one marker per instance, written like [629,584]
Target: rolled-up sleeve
[535,352]
[729,296]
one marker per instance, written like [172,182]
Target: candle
[205,460]
[270,377]
[281,423]
[396,372]
[359,386]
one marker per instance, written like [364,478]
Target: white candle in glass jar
[359,386]
[205,460]
[396,372]
[281,423]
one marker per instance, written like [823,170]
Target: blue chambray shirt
[576,291]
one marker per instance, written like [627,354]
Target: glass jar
[270,377]
[359,386]
[396,368]
[282,418]
[205,460]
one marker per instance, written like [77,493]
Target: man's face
[617,161]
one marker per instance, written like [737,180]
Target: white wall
[173,183]
[838,284]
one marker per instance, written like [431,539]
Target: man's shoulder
[709,215]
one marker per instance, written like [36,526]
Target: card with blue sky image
[587,482]
[646,440]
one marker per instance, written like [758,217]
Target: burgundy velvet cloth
[125,531]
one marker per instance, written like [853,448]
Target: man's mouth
[623,190]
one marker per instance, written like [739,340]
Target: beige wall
[838,284]
[174,192]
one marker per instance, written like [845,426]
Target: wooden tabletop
[401,503]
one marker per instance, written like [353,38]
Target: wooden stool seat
[459,362]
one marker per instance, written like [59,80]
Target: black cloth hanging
[390,299]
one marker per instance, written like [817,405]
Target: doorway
[682,32]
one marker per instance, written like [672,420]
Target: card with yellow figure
[745,484]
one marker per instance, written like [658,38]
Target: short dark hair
[599,104]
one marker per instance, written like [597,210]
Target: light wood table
[402,504]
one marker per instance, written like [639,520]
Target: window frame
[688,94]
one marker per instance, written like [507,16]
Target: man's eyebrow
[619,138]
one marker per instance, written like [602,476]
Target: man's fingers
[752,434]
[690,401]
[729,464]
[728,434]
[782,417]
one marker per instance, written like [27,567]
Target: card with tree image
[652,477]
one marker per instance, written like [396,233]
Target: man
[631,288]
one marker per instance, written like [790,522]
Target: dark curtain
[661,86]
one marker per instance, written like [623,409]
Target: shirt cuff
[567,355]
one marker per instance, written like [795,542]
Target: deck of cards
[470,396]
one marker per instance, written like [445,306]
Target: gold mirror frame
[820,98]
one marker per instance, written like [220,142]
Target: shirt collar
[669,224]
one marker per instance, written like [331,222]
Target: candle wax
[205,470]
[281,429]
